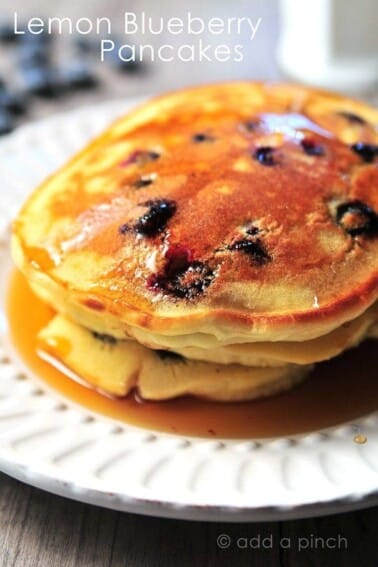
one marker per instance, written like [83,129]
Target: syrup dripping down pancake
[214,217]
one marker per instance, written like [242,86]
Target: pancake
[117,367]
[234,210]
[264,354]
[234,225]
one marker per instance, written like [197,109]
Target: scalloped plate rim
[14,463]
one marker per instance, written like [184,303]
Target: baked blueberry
[311,148]
[178,260]
[265,156]
[356,218]
[155,219]
[201,137]
[252,230]
[169,355]
[193,281]
[107,339]
[152,156]
[255,249]
[185,283]
[366,151]
[352,117]
[182,277]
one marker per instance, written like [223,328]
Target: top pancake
[241,210]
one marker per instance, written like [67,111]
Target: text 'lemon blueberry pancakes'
[216,241]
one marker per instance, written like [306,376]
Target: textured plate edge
[200,513]
[166,508]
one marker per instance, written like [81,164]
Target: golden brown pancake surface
[242,210]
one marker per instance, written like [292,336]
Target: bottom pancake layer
[212,349]
[116,367]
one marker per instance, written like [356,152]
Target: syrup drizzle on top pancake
[226,156]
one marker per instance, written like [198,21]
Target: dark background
[41,530]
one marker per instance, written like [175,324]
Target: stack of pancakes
[217,241]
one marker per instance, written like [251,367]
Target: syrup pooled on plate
[340,390]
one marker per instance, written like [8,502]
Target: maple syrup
[339,390]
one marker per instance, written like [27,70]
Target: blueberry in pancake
[234,225]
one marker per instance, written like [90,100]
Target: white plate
[62,448]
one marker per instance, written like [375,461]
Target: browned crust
[136,309]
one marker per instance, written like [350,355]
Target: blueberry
[42,82]
[178,259]
[182,277]
[43,38]
[351,117]
[124,64]
[156,218]
[169,355]
[201,137]
[32,54]
[366,151]
[192,282]
[86,45]
[7,34]
[253,248]
[6,122]
[252,230]
[265,156]
[356,218]
[128,66]
[184,281]
[79,76]
[107,339]
[15,103]
[152,155]
[311,148]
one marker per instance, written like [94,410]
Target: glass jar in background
[330,43]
